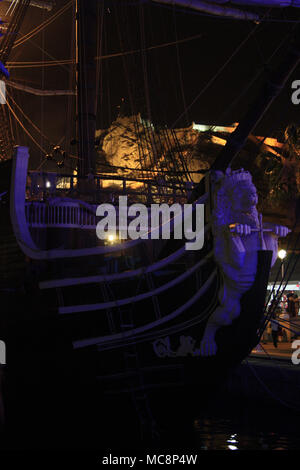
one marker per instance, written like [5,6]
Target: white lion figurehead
[233,194]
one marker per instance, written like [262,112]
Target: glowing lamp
[281,254]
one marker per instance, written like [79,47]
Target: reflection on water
[251,429]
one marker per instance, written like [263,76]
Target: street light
[281,255]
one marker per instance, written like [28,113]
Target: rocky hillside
[131,142]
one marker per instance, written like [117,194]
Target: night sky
[175,75]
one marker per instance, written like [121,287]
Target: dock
[268,376]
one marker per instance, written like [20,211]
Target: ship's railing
[60,215]
[42,210]
[64,215]
[19,187]
[41,185]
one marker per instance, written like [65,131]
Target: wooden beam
[262,3]
[212,9]
[38,92]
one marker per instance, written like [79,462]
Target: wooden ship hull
[132,335]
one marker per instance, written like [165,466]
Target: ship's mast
[86,38]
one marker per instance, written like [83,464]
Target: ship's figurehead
[238,235]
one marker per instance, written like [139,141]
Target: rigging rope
[71,108]
[43,87]
[56,62]
[24,128]
[180,70]
[217,74]
[42,26]
[28,119]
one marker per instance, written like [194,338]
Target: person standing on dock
[293,304]
[275,329]
[296,304]
[286,325]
